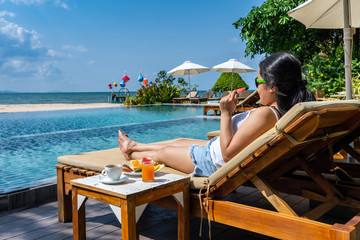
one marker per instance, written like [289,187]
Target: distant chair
[190,95]
[213,96]
[225,93]
[250,101]
[244,95]
[205,97]
[320,95]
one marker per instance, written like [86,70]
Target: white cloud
[61,4]
[28,2]
[6,13]
[79,48]
[57,3]
[234,39]
[91,62]
[22,55]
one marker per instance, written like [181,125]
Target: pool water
[31,142]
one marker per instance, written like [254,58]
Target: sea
[59,97]
[56,97]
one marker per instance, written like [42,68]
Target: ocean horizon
[9,98]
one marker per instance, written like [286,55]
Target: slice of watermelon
[240,90]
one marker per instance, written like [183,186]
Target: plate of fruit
[134,168]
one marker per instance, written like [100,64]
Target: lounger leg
[64,201]
[183,210]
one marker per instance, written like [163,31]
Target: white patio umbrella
[233,66]
[188,68]
[332,14]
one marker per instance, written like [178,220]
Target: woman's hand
[228,103]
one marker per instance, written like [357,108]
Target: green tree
[268,29]
[224,82]
[162,76]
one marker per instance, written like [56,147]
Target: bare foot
[125,144]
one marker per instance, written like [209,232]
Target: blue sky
[79,46]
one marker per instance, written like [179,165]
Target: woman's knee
[181,141]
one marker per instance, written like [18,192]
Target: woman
[280,87]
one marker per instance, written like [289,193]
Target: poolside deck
[156,223]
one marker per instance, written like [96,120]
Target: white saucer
[133,174]
[105,180]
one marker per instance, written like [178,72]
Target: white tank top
[236,121]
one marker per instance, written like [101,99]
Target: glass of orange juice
[147,166]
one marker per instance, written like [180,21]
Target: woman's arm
[258,122]
[227,107]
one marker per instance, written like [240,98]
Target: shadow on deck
[156,223]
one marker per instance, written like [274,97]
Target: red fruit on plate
[145,160]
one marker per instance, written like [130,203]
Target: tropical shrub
[157,93]
[356,83]
[131,101]
[327,72]
[162,91]
[224,82]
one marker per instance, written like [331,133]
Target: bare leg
[175,155]
[128,146]
[172,156]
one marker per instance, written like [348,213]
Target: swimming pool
[31,142]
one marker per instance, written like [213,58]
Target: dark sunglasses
[258,81]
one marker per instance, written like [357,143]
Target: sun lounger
[187,98]
[204,98]
[247,104]
[292,157]
[320,96]
[243,95]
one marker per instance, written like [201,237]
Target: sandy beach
[52,107]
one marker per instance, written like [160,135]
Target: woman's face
[266,92]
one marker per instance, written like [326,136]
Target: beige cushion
[97,160]
[192,94]
[212,134]
[301,108]
[94,160]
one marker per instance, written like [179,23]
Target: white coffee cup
[112,172]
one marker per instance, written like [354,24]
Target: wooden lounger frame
[297,161]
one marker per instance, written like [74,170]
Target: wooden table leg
[79,231]
[184,215]
[128,220]
[64,201]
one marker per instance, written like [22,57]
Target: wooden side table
[129,199]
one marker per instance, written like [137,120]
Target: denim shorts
[200,155]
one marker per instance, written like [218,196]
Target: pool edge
[29,197]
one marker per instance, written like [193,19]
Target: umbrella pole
[347,51]
[189,83]
[348,58]
[232,73]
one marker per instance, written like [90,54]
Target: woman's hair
[283,70]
